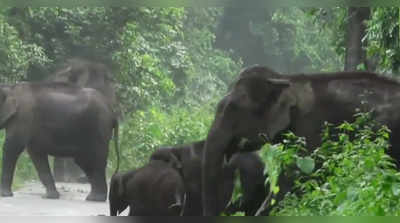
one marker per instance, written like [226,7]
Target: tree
[383,38]
[356,41]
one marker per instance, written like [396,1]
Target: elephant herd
[75,114]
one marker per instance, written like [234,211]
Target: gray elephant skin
[156,189]
[249,165]
[57,119]
[84,73]
[262,101]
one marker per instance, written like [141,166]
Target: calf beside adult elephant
[249,166]
[264,102]
[57,119]
[156,189]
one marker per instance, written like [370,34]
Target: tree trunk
[356,27]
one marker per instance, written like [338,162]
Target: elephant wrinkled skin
[262,101]
[156,189]
[56,119]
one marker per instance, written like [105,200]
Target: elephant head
[8,104]
[260,102]
[116,195]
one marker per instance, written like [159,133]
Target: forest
[171,66]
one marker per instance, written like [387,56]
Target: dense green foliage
[383,38]
[166,70]
[300,38]
[355,176]
[15,54]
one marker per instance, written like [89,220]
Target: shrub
[355,175]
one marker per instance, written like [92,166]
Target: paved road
[28,202]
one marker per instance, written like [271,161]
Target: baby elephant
[249,165]
[155,189]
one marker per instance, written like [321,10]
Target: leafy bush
[350,174]
[15,55]
[355,175]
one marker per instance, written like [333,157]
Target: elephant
[250,167]
[264,102]
[57,119]
[156,189]
[84,73]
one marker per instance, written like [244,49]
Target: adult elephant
[57,119]
[263,102]
[156,189]
[249,165]
[84,73]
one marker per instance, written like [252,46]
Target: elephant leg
[95,170]
[131,213]
[59,169]
[41,163]
[11,151]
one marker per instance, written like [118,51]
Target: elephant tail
[116,144]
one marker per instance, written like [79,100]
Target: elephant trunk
[213,156]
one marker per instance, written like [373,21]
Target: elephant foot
[97,197]
[6,193]
[51,195]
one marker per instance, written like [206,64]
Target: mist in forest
[273,37]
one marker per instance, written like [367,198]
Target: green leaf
[275,189]
[305,164]
[396,189]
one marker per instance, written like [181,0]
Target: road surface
[28,202]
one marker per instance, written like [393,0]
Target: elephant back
[90,74]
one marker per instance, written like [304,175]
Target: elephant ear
[8,105]
[259,90]
[279,111]
[265,92]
